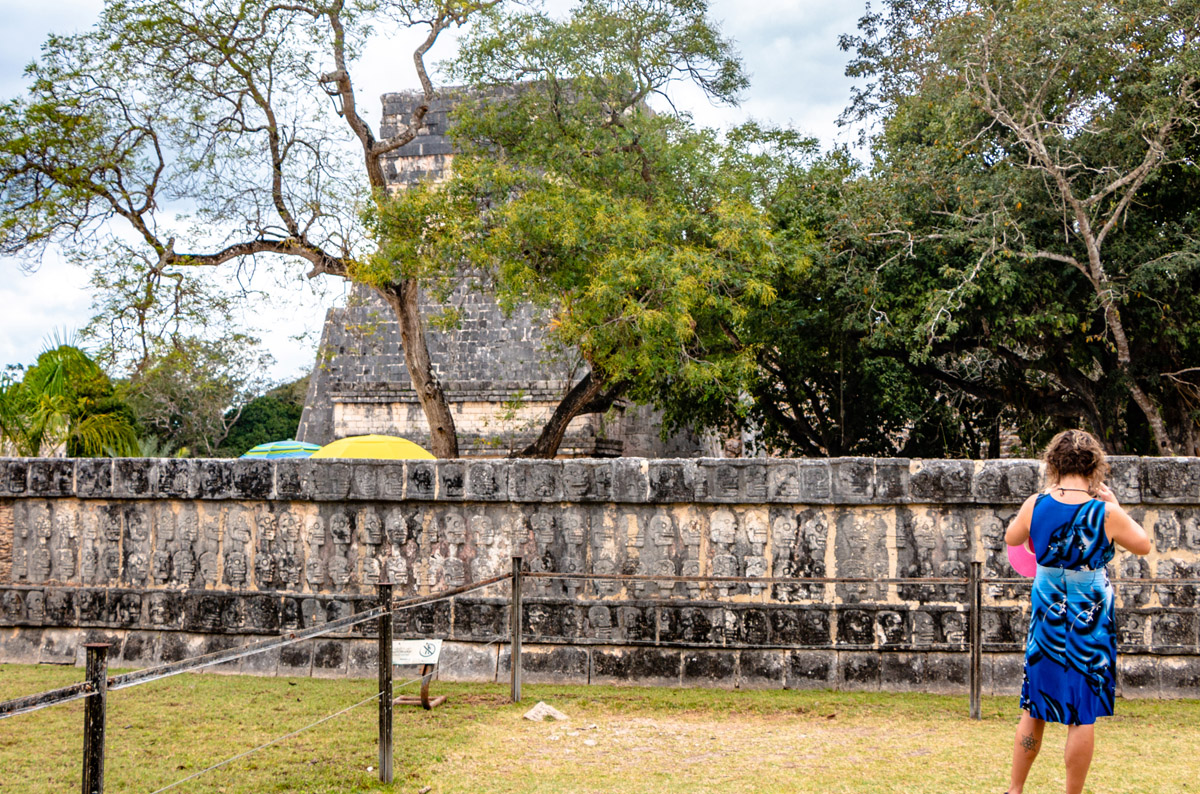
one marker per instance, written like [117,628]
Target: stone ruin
[501,379]
[167,559]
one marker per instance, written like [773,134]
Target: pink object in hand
[1022,558]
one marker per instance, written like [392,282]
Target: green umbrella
[282,449]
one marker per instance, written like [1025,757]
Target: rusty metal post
[976,633]
[384,590]
[515,621]
[93,718]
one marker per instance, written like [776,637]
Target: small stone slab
[541,711]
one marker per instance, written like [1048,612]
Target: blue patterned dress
[1071,650]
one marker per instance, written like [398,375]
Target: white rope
[265,745]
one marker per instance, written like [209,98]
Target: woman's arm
[1018,530]
[1120,527]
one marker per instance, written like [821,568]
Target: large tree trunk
[403,298]
[587,396]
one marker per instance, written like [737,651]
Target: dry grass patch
[618,739]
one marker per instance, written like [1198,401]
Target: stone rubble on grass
[541,711]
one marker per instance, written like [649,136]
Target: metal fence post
[93,718]
[515,620]
[384,590]
[976,632]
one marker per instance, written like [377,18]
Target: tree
[273,416]
[191,395]
[242,112]
[64,404]
[1032,248]
[571,193]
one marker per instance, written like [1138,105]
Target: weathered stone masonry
[171,558]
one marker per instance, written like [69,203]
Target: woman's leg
[1081,739]
[1025,749]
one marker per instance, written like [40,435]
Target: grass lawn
[618,739]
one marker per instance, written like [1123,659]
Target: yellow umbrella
[373,447]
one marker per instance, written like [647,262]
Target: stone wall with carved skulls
[167,559]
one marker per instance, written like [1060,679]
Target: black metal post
[93,718]
[515,620]
[385,682]
[976,632]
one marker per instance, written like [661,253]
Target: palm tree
[65,404]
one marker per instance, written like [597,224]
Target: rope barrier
[275,741]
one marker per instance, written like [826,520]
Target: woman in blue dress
[1071,649]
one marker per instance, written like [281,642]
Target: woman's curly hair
[1076,452]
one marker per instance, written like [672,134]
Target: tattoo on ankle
[1029,743]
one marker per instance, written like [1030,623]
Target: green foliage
[275,416]
[622,224]
[64,404]
[190,395]
[1024,235]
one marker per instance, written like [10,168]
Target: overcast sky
[789,47]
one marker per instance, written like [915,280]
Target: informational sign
[416,651]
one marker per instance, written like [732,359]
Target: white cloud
[789,46]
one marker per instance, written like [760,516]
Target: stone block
[215,479]
[858,670]
[856,627]
[806,625]
[642,666]
[783,481]
[362,658]
[175,646]
[536,481]
[135,478]
[330,658]
[367,478]
[421,480]
[20,645]
[902,672]
[671,481]
[59,646]
[178,478]
[296,659]
[946,672]
[587,480]
[630,481]
[761,669]
[94,478]
[215,643]
[14,477]
[263,663]
[1138,676]
[1125,478]
[892,480]
[1175,628]
[704,667]
[810,670]
[547,664]
[451,480]
[1179,677]
[1005,481]
[1006,671]
[52,477]
[425,620]
[487,481]
[327,480]
[853,480]
[939,481]
[251,479]
[469,661]
[289,479]
[140,649]
[480,620]
[1170,480]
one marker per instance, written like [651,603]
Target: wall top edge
[837,481]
